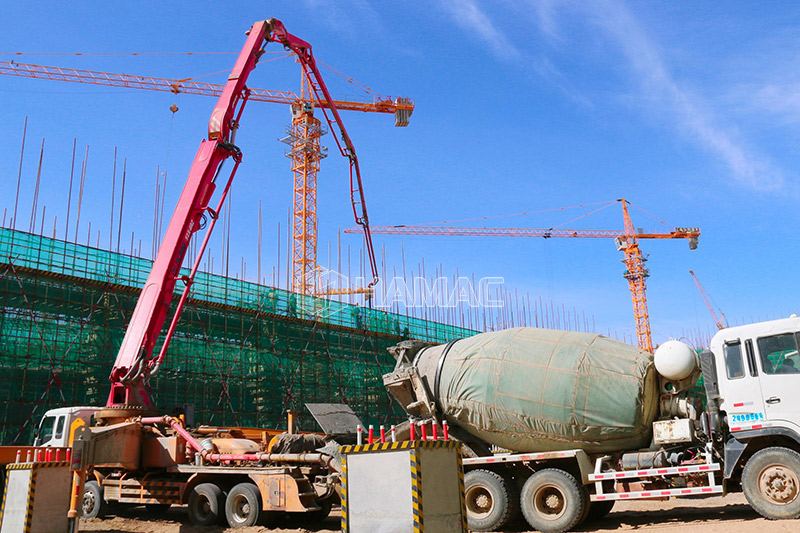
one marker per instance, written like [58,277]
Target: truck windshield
[46,429]
[778,354]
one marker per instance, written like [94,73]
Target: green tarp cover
[529,390]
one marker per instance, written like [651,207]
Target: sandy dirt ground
[712,515]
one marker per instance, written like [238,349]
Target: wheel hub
[549,502]
[242,509]
[88,502]
[479,501]
[483,501]
[552,501]
[779,484]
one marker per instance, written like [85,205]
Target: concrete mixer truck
[560,425]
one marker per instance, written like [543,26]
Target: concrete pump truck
[128,453]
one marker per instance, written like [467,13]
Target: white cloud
[782,99]
[468,15]
[353,18]
[546,12]
[663,94]
[689,112]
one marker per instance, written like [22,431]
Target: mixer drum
[532,390]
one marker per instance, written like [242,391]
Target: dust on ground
[138,520]
[730,514]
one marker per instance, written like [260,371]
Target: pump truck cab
[57,427]
[738,432]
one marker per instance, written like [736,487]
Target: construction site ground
[730,514]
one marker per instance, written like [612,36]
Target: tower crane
[627,241]
[720,320]
[303,139]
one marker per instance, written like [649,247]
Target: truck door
[742,392]
[780,378]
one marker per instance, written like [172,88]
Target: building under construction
[244,353]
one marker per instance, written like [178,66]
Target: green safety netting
[244,353]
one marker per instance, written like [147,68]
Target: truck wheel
[243,505]
[490,500]
[552,500]
[771,483]
[206,504]
[93,504]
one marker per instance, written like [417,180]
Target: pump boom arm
[303,51]
[135,363]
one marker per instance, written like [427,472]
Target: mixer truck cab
[758,375]
[759,378]
[57,427]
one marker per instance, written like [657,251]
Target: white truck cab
[758,368]
[58,426]
[752,390]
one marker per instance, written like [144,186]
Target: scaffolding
[244,353]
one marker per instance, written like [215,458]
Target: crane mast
[135,362]
[636,273]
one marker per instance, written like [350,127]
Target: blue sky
[689,110]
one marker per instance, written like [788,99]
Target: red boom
[134,363]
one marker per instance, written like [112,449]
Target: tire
[206,504]
[490,500]
[243,505]
[598,510]
[93,504]
[552,500]
[771,483]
